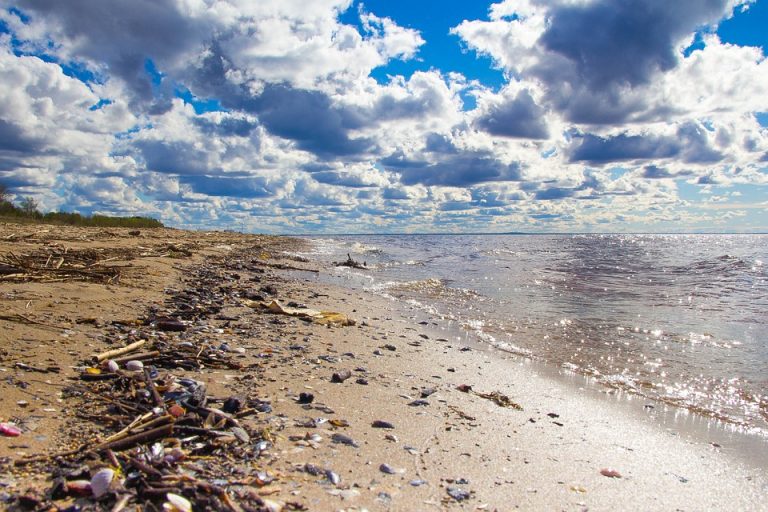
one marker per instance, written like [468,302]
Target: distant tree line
[27,210]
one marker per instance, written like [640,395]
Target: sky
[390,116]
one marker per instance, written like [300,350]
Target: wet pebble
[386,468]
[306,398]
[346,440]
[427,392]
[341,376]
[458,494]
[332,477]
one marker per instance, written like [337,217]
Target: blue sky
[337,116]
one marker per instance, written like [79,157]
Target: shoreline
[554,453]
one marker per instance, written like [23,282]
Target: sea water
[679,319]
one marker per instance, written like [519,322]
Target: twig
[149,435]
[120,351]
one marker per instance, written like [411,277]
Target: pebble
[458,494]
[342,439]
[386,468]
[382,424]
[134,366]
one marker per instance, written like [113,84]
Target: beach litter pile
[164,443]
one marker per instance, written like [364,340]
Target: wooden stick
[149,435]
[120,351]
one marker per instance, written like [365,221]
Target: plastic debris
[9,430]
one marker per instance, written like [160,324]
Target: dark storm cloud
[341,179]
[123,34]
[599,51]
[461,171]
[310,119]
[696,148]
[398,160]
[227,127]
[553,193]
[12,139]
[519,117]
[244,188]
[599,150]
[653,172]
[626,42]
[437,143]
[394,194]
[174,157]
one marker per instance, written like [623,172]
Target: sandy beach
[392,412]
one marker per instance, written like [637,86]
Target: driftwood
[351,263]
[109,354]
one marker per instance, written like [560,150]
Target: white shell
[177,503]
[112,366]
[134,366]
[101,481]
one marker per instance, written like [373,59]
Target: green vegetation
[27,212]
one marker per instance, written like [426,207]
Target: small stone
[458,494]
[306,398]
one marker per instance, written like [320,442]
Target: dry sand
[551,455]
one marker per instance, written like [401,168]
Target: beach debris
[111,354]
[349,262]
[496,397]
[418,403]
[418,482]
[101,482]
[9,430]
[305,398]
[329,318]
[332,477]
[176,503]
[382,424]
[610,473]
[362,381]
[458,494]
[340,376]
[346,440]
[134,366]
[389,470]
[426,392]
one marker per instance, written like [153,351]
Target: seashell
[610,473]
[101,481]
[79,487]
[112,366]
[332,477]
[382,424]
[176,410]
[177,503]
[174,455]
[273,506]
[134,366]
[386,468]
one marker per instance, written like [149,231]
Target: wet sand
[445,443]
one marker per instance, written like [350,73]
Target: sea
[676,319]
